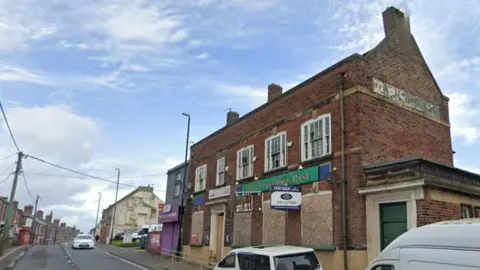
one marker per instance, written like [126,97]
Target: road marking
[10,252]
[125,261]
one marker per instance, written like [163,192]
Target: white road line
[125,261]
[10,252]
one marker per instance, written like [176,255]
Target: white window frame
[178,176]
[283,151]
[249,165]
[176,190]
[200,183]
[220,172]
[326,143]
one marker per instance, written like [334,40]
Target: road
[56,257]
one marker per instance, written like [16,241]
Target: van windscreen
[299,261]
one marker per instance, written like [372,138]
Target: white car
[273,258]
[83,241]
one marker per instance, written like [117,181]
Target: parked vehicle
[119,236]
[452,245]
[83,241]
[144,231]
[273,258]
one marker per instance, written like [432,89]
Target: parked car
[452,245]
[274,258]
[119,236]
[83,241]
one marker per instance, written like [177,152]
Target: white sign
[127,238]
[286,198]
[167,208]
[219,192]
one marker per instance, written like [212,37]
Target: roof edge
[285,94]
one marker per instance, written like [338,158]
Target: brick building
[17,214]
[368,143]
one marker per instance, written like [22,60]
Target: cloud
[254,97]
[203,56]
[58,134]
[22,22]
[16,74]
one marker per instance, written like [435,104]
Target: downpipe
[341,88]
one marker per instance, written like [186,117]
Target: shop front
[169,217]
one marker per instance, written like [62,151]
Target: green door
[393,222]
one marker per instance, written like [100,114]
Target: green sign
[298,177]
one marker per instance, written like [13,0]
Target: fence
[172,260]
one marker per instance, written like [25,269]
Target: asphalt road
[56,257]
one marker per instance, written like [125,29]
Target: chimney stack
[232,117]
[3,198]
[274,91]
[395,20]
[63,224]
[15,204]
[49,218]
[56,221]
[28,210]
[39,214]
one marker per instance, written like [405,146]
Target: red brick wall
[430,211]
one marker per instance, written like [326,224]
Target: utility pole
[34,226]
[182,210]
[98,211]
[6,227]
[115,205]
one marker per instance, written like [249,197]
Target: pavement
[11,256]
[63,257]
[148,260]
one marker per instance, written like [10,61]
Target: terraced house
[367,145]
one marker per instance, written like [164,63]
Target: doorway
[393,222]
[220,232]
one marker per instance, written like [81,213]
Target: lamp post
[115,204]
[98,211]
[179,244]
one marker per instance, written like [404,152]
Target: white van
[143,231]
[270,257]
[447,245]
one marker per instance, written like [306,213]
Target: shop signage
[199,199]
[167,208]
[288,198]
[160,206]
[298,177]
[171,216]
[195,238]
[154,240]
[219,192]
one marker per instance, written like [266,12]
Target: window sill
[313,161]
[222,185]
[275,171]
[198,192]
[246,179]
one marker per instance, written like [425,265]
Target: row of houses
[366,143]
[29,228]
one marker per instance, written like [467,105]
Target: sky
[98,85]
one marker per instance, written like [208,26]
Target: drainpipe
[341,86]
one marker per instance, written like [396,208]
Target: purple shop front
[171,227]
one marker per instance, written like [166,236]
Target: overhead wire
[8,156]
[81,173]
[8,127]
[26,184]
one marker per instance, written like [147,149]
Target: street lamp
[115,204]
[179,244]
[98,211]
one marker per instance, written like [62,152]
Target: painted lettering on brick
[400,95]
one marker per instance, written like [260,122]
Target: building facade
[137,208]
[170,214]
[366,144]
